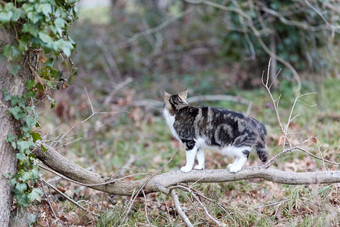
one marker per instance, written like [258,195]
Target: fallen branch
[60,164]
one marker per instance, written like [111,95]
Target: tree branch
[60,164]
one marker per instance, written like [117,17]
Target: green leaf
[6,16]
[46,39]
[21,187]
[13,68]
[35,195]
[44,8]
[36,136]
[7,175]
[22,199]
[31,29]
[35,172]
[50,63]
[11,53]
[34,17]
[26,176]
[7,95]
[12,182]
[25,145]
[43,148]
[59,25]
[11,139]
[28,7]
[30,121]
[20,156]
[30,84]
[39,86]
[16,112]
[23,44]
[65,46]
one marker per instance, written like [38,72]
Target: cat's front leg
[200,159]
[191,151]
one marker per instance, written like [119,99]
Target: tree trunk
[16,86]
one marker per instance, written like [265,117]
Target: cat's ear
[183,95]
[166,96]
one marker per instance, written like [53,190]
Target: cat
[229,132]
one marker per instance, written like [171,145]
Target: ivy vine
[39,26]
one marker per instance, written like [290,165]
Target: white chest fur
[170,119]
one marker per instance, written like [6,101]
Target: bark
[16,86]
[60,164]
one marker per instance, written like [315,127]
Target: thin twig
[68,198]
[179,209]
[201,204]
[49,203]
[134,196]
[146,209]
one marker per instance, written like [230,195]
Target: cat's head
[173,103]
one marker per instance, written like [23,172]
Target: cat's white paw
[199,167]
[234,168]
[186,169]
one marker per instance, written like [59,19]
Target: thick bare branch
[57,162]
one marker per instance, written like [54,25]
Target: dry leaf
[43,59]
[281,140]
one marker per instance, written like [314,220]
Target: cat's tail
[261,152]
[260,144]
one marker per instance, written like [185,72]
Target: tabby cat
[229,132]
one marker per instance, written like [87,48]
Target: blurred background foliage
[228,39]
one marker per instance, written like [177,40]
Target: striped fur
[229,132]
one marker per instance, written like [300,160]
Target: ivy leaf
[44,8]
[5,16]
[13,68]
[25,145]
[65,46]
[23,44]
[30,84]
[12,182]
[26,176]
[7,175]
[34,17]
[28,7]
[21,187]
[30,121]
[21,156]
[22,199]
[35,172]
[31,29]
[59,25]
[36,136]
[35,195]
[16,112]
[43,148]
[46,38]
[11,139]
[11,53]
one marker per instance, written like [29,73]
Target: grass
[143,134]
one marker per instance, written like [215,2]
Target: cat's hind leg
[241,158]
[200,159]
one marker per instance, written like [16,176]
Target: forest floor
[131,139]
